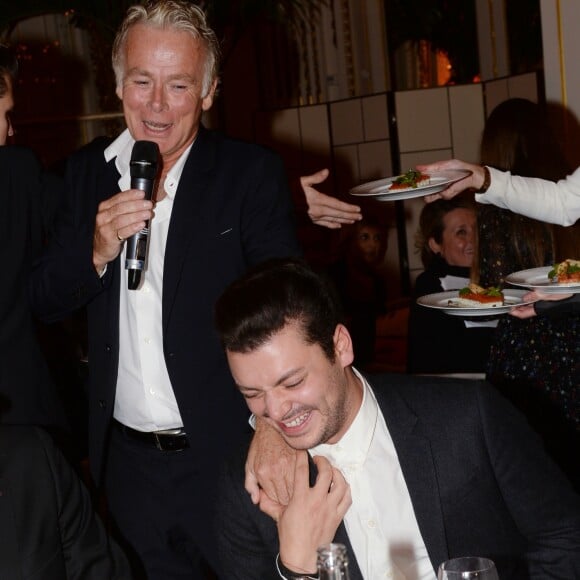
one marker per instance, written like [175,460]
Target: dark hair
[272,295]
[8,68]
[517,137]
[431,223]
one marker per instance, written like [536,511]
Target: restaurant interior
[366,88]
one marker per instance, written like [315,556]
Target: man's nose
[277,406]
[158,100]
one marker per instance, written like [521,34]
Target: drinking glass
[467,568]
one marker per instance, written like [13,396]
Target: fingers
[451,191]
[523,312]
[270,507]
[314,179]
[270,465]
[325,472]
[332,221]
[118,218]
[433,197]
[252,487]
[301,472]
[123,215]
[444,165]
[328,223]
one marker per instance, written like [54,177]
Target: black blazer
[479,482]
[28,198]
[232,210]
[48,528]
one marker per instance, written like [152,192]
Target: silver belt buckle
[158,435]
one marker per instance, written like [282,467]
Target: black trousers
[162,505]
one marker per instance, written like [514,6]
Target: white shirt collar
[121,148]
[354,445]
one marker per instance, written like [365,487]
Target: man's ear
[207,101]
[343,348]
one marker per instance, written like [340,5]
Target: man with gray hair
[163,411]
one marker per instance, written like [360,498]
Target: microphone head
[144,159]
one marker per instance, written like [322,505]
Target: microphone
[143,170]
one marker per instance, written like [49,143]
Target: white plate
[444,301]
[379,189]
[537,279]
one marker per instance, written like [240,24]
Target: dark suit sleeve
[247,539]
[88,551]
[64,279]
[542,503]
[267,226]
[566,307]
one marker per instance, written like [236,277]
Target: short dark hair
[8,68]
[272,295]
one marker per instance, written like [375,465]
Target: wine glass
[467,568]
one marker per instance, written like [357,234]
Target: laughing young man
[406,471]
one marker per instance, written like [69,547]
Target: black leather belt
[169,440]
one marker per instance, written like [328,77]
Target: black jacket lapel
[416,460]
[189,208]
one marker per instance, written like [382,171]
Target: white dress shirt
[144,398]
[380,523]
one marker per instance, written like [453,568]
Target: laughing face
[162,88]
[293,385]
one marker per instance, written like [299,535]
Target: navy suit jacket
[48,528]
[479,481]
[232,210]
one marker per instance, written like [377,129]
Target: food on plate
[475,296]
[565,272]
[410,180]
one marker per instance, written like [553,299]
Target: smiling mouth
[296,422]
[158,127]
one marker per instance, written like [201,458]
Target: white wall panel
[314,130]
[467,120]
[346,122]
[423,119]
[375,160]
[375,117]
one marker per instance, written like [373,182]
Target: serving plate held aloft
[379,189]
[447,302]
[537,279]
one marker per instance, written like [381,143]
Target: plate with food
[411,184]
[473,300]
[561,278]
